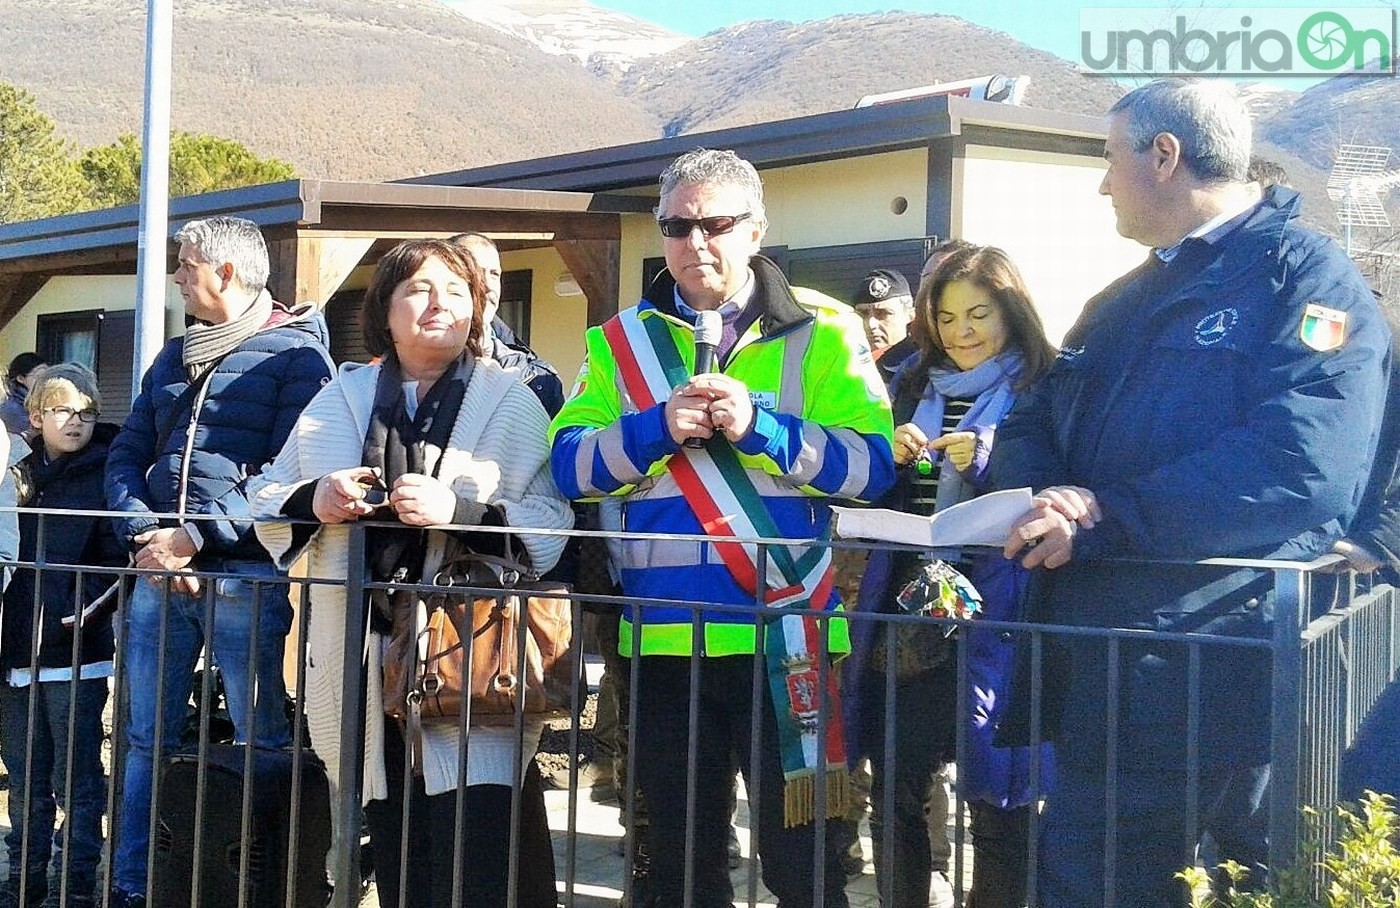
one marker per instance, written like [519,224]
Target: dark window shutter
[116,335]
[516,287]
[836,270]
[342,314]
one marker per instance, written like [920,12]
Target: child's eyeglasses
[63,414]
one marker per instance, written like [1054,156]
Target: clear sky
[1051,25]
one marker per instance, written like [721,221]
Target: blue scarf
[990,384]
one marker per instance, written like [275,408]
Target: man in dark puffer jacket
[214,408]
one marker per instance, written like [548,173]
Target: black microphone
[709,328]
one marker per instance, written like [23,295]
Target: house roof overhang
[839,134]
[105,242]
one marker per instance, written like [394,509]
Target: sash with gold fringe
[718,490]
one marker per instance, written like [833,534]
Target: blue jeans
[45,775]
[236,600]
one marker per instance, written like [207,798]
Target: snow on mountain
[1263,100]
[576,28]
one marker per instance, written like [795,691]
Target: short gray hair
[234,240]
[720,167]
[1206,117]
[470,241]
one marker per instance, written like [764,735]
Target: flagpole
[151,243]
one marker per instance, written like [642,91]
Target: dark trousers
[1152,842]
[911,841]
[485,847]
[43,777]
[663,740]
[1000,836]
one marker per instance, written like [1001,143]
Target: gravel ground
[553,756]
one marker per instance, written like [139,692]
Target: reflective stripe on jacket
[822,429]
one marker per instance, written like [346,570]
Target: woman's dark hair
[398,265]
[991,269]
[21,366]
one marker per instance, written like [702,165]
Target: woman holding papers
[981,343]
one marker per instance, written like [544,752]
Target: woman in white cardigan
[446,436]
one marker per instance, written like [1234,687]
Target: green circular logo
[1324,40]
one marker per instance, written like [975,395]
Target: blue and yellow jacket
[822,429]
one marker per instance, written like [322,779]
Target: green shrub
[1361,871]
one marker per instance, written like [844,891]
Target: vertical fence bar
[758,688]
[291,877]
[75,665]
[1110,798]
[201,786]
[1192,824]
[1290,618]
[1033,846]
[352,727]
[885,859]
[578,695]
[630,793]
[120,718]
[692,728]
[32,700]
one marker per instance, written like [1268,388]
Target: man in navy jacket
[214,408]
[1222,399]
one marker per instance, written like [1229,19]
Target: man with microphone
[793,414]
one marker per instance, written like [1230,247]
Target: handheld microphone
[709,328]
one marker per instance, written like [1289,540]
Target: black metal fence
[293,837]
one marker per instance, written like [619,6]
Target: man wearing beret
[886,309]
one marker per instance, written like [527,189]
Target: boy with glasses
[63,472]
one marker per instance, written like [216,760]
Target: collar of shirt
[734,304]
[1213,230]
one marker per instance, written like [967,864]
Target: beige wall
[828,203]
[836,203]
[557,322]
[110,293]
[1045,211]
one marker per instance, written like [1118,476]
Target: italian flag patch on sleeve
[1322,329]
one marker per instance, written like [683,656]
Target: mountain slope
[345,89]
[768,70]
[597,37]
[1362,110]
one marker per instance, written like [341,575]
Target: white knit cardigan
[498,454]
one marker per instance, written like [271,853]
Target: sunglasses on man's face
[680,228]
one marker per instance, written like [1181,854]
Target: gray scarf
[207,344]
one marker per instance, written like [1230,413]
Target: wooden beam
[282,260]
[323,264]
[314,267]
[596,265]
[117,259]
[16,290]
[437,222]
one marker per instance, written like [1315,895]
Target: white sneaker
[940,891]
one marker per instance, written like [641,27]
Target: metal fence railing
[290,838]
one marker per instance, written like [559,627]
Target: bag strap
[184,402]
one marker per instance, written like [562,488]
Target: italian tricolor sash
[717,488]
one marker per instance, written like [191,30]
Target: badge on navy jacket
[1322,329]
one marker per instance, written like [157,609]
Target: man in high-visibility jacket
[793,414]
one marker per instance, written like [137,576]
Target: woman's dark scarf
[395,445]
